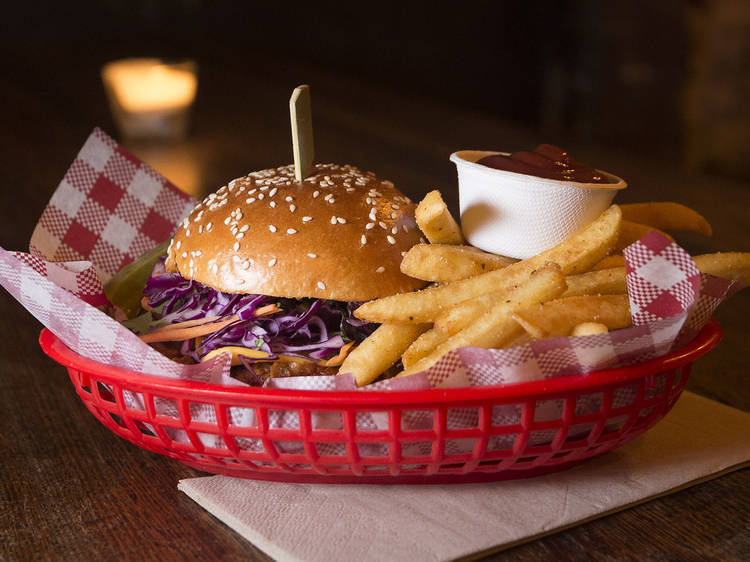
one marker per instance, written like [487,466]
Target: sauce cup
[519,215]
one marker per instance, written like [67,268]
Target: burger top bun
[340,234]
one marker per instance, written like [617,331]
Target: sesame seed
[327,197]
[332,200]
[236,259]
[187,232]
[349,189]
[252,191]
[382,225]
[272,228]
[405,228]
[341,220]
[369,201]
[272,204]
[288,198]
[215,269]
[250,200]
[315,194]
[177,246]
[184,254]
[395,207]
[306,219]
[321,285]
[226,220]
[245,228]
[394,230]
[291,231]
[292,208]
[370,225]
[200,229]
[364,239]
[236,246]
[273,192]
[390,239]
[312,255]
[260,196]
[245,265]
[393,215]
[381,269]
[271,262]
[240,236]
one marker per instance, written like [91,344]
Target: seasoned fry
[666,216]
[380,350]
[435,220]
[632,232]
[602,282]
[557,318]
[729,265]
[589,329]
[496,327]
[460,316]
[422,347]
[616,260]
[444,262]
[574,255]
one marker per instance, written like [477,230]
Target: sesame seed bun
[340,234]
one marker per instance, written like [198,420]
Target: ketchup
[545,161]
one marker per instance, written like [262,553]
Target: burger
[270,270]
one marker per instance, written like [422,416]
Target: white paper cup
[518,215]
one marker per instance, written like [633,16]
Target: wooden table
[69,489]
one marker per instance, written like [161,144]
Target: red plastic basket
[628,401]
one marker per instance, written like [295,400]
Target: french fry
[616,260]
[666,216]
[576,254]
[496,327]
[589,329]
[422,346]
[380,350]
[601,282]
[632,232]
[435,220]
[557,318]
[460,316]
[445,262]
[729,265]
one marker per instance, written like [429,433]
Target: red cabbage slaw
[313,329]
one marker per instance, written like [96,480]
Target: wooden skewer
[302,132]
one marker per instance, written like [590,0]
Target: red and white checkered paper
[110,207]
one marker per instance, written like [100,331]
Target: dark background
[667,79]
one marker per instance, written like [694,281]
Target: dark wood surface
[69,489]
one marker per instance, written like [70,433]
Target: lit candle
[150,98]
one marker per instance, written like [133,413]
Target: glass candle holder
[150,98]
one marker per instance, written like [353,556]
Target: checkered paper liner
[110,207]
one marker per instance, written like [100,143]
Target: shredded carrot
[266,310]
[191,323]
[339,359]
[177,331]
[179,334]
[145,306]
